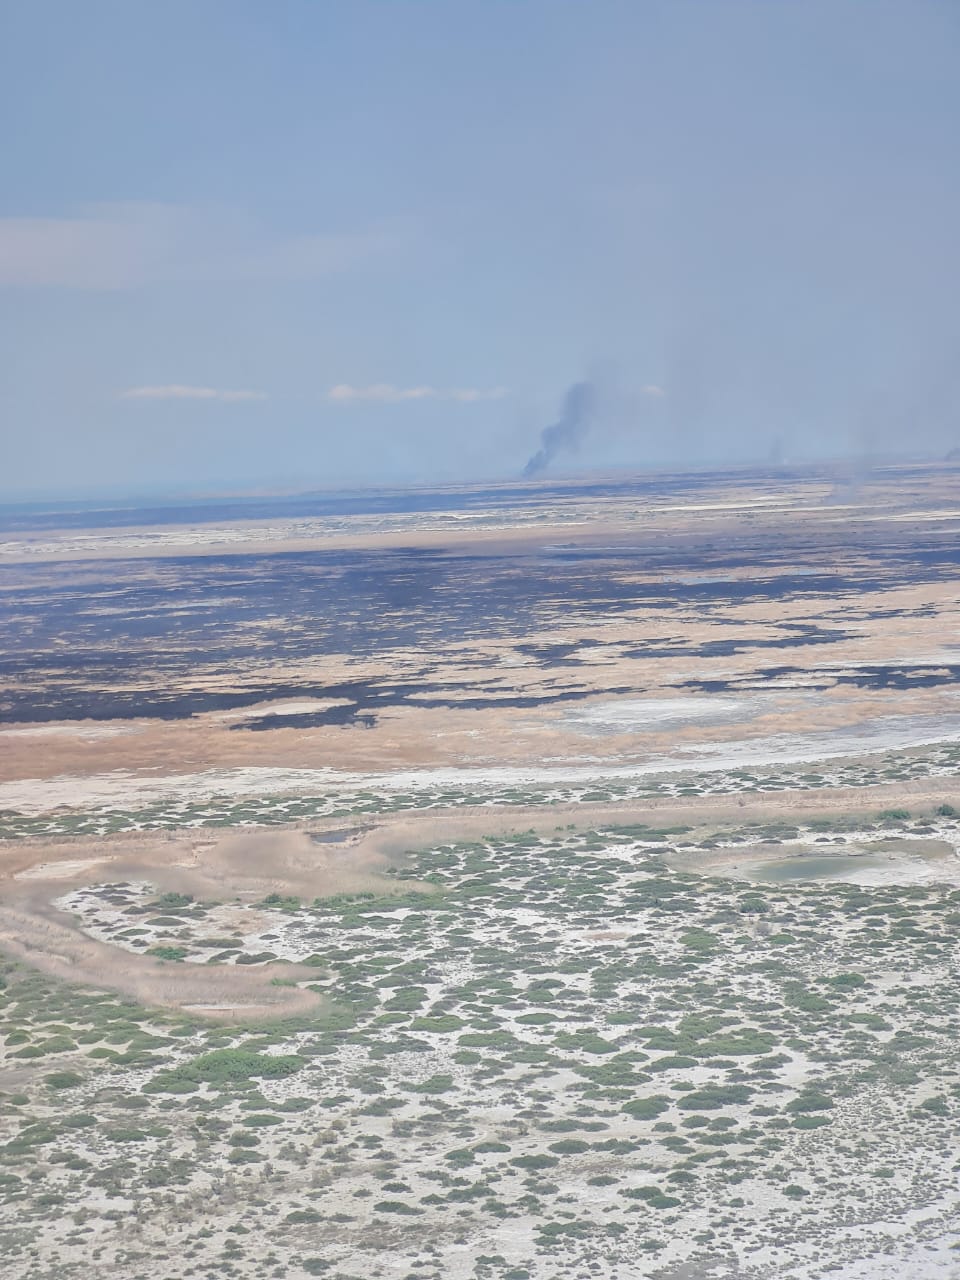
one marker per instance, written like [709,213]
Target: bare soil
[241,866]
[249,865]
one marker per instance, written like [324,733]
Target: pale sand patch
[252,863]
[300,707]
[123,788]
[246,865]
[31,930]
[631,714]
[68,731]
[58,870]
[861,861]
[212,1008]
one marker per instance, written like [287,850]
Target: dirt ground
[242,866]
[247,866]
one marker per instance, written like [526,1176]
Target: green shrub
[714,1096]
[580,1229]
[171,900]
[119,1133]
[671,1062]
[847,981]
[587,1041]
[395,1206]
[241,1155]
[810,1100]
[652,1196]
[289,903]
[811,1122]
[407,999]
[442,1023]
[63,1079]
[55,1044]
[164,952]
[936,1105]
[224,1067]
[569,1147]
[435,1084]
[460,1157]
[535,1162]
[78,1120]
[736,1044]
[700,941]
[646,1108]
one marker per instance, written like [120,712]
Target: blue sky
[313,242]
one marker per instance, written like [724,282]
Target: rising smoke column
[578,408]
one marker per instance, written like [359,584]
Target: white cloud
[125,246]
[385,393]
[651,389]
[175,391]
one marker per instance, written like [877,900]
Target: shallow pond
[893,860]
[837,867]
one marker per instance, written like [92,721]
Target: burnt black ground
[113,639]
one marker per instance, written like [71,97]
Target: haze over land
[352,243]
[587,899]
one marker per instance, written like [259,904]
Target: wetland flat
[495,885]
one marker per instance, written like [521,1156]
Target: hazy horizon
[356,245]
[839,469]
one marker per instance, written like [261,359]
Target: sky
[307,243]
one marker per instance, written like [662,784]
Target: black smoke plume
[579,405]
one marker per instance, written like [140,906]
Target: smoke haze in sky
[567,433]
[239,251]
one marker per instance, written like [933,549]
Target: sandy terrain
[522,662]
[708,602]
[927,493]
[247,866]
[243,866]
